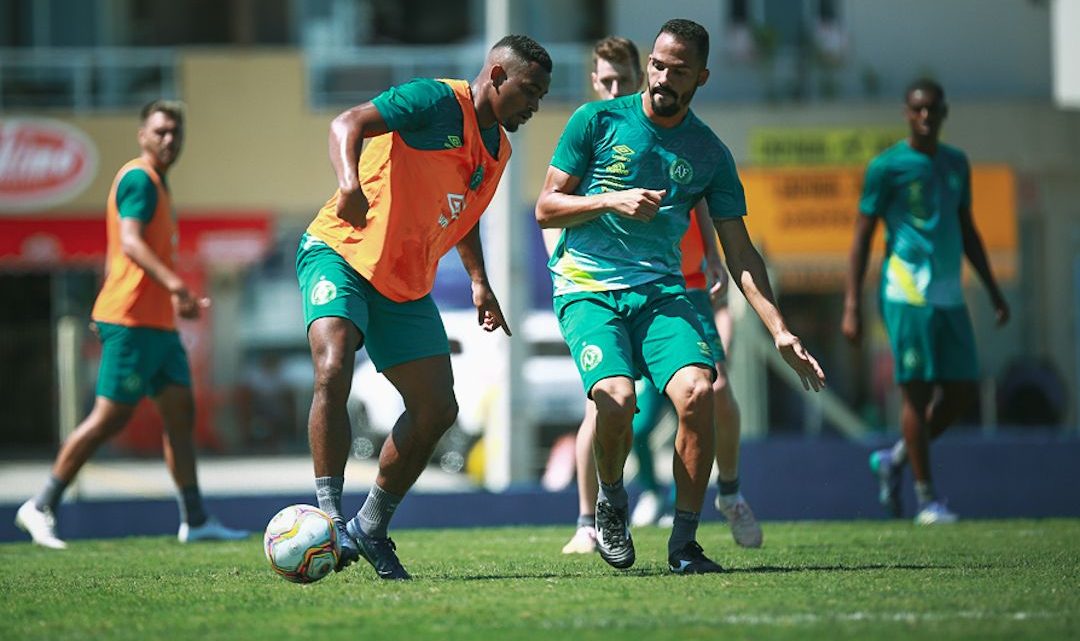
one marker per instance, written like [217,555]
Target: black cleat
[380,553]
[691,559]
[350,551]
[613,540]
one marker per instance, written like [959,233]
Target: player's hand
[1001,312]
[352,207]
[718,276]
[636,204]
[488,313]
[801,361]
[188,306]
[851,325]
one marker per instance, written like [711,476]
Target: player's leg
[37,515]
[615,402]
[675,356]
[729,499]
[594,327]
[335,308]
[650,406]
[584,539]
[123,374]
[915,398]
[176,405]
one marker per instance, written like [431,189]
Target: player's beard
[678,102]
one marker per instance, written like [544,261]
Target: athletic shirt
[612,145]
[919,197]
[427,180]
[129,295]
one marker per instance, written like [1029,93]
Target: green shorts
[699,298]
[650,331]
[393,332]
[139,361]
[930,343]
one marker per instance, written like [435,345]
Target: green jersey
[136,196]
[612,145]
[919,197]
[426,114]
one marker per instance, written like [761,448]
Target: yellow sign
[787,147]
[803,219]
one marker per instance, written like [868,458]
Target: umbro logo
[457,203]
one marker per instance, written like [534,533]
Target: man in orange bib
[366,266]
[135,317]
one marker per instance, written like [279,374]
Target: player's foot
[583,541]
[888,476]
[40,525]
[935,513]
[211,530]
[691,559]
[350,550]
[648,510]
[613,540]
[744,527]
[381,553]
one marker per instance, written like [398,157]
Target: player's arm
[558,205]
[471,252]
[748,271]
[976,255]
[715,274]
[347,133]
[851,325]
[134,246]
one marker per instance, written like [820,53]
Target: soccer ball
[301,543]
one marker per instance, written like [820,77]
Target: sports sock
[728,488]
[614,494]
[924,491]
[683,529]
[328,492]
[49,496]
[374,517]
[586,520]
[899,453]
[192,511]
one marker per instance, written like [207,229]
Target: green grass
[837,580]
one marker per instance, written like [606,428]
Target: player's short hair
[526,50]
[617,50]
[689,31]
[925,84]
[171,108]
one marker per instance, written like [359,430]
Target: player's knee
[692,392]
[330,371]
[614,403]
[436,418]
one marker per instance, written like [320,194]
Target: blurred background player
[367,264]
[622,182]
[921,188]
[135,318]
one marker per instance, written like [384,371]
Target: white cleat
[40,525]
[211,530]
[583,541]
[648,510]
[744,527]
[935,513]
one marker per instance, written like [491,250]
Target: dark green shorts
[930,343]
[139,361]
[650,330]
[393,332]
[699,298]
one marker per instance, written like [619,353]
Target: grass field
[835,580]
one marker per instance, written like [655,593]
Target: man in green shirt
[921,188]
[622,182]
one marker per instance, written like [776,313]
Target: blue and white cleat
[935,513]
[889,477]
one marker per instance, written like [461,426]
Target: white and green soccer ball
[302,544]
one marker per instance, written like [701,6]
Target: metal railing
[85,79]
[344,77]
